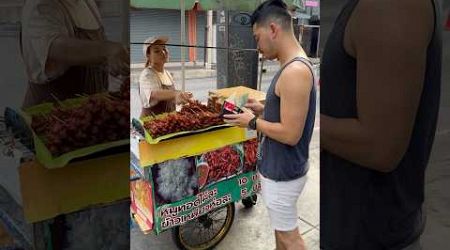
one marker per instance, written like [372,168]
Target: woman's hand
[183,97]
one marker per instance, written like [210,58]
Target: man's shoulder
[297,70]
[299,65]
[386,23]
[295,79]
[395,13]
[379,4]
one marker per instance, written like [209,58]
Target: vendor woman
[156,85]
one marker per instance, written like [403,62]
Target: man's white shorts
[280,198]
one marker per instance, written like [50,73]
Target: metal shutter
[151,22]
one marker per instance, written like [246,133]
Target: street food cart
[189,180]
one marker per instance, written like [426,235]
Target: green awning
[246,5]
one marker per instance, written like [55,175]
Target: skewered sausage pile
[99,119]
[192,116]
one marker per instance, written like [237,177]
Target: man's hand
[254,106]
[240,120]
[118,59]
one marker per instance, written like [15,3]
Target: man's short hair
[272,11]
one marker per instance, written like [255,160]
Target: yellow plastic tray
[44,156]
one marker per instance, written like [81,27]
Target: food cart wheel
[250,201]
[206,231]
